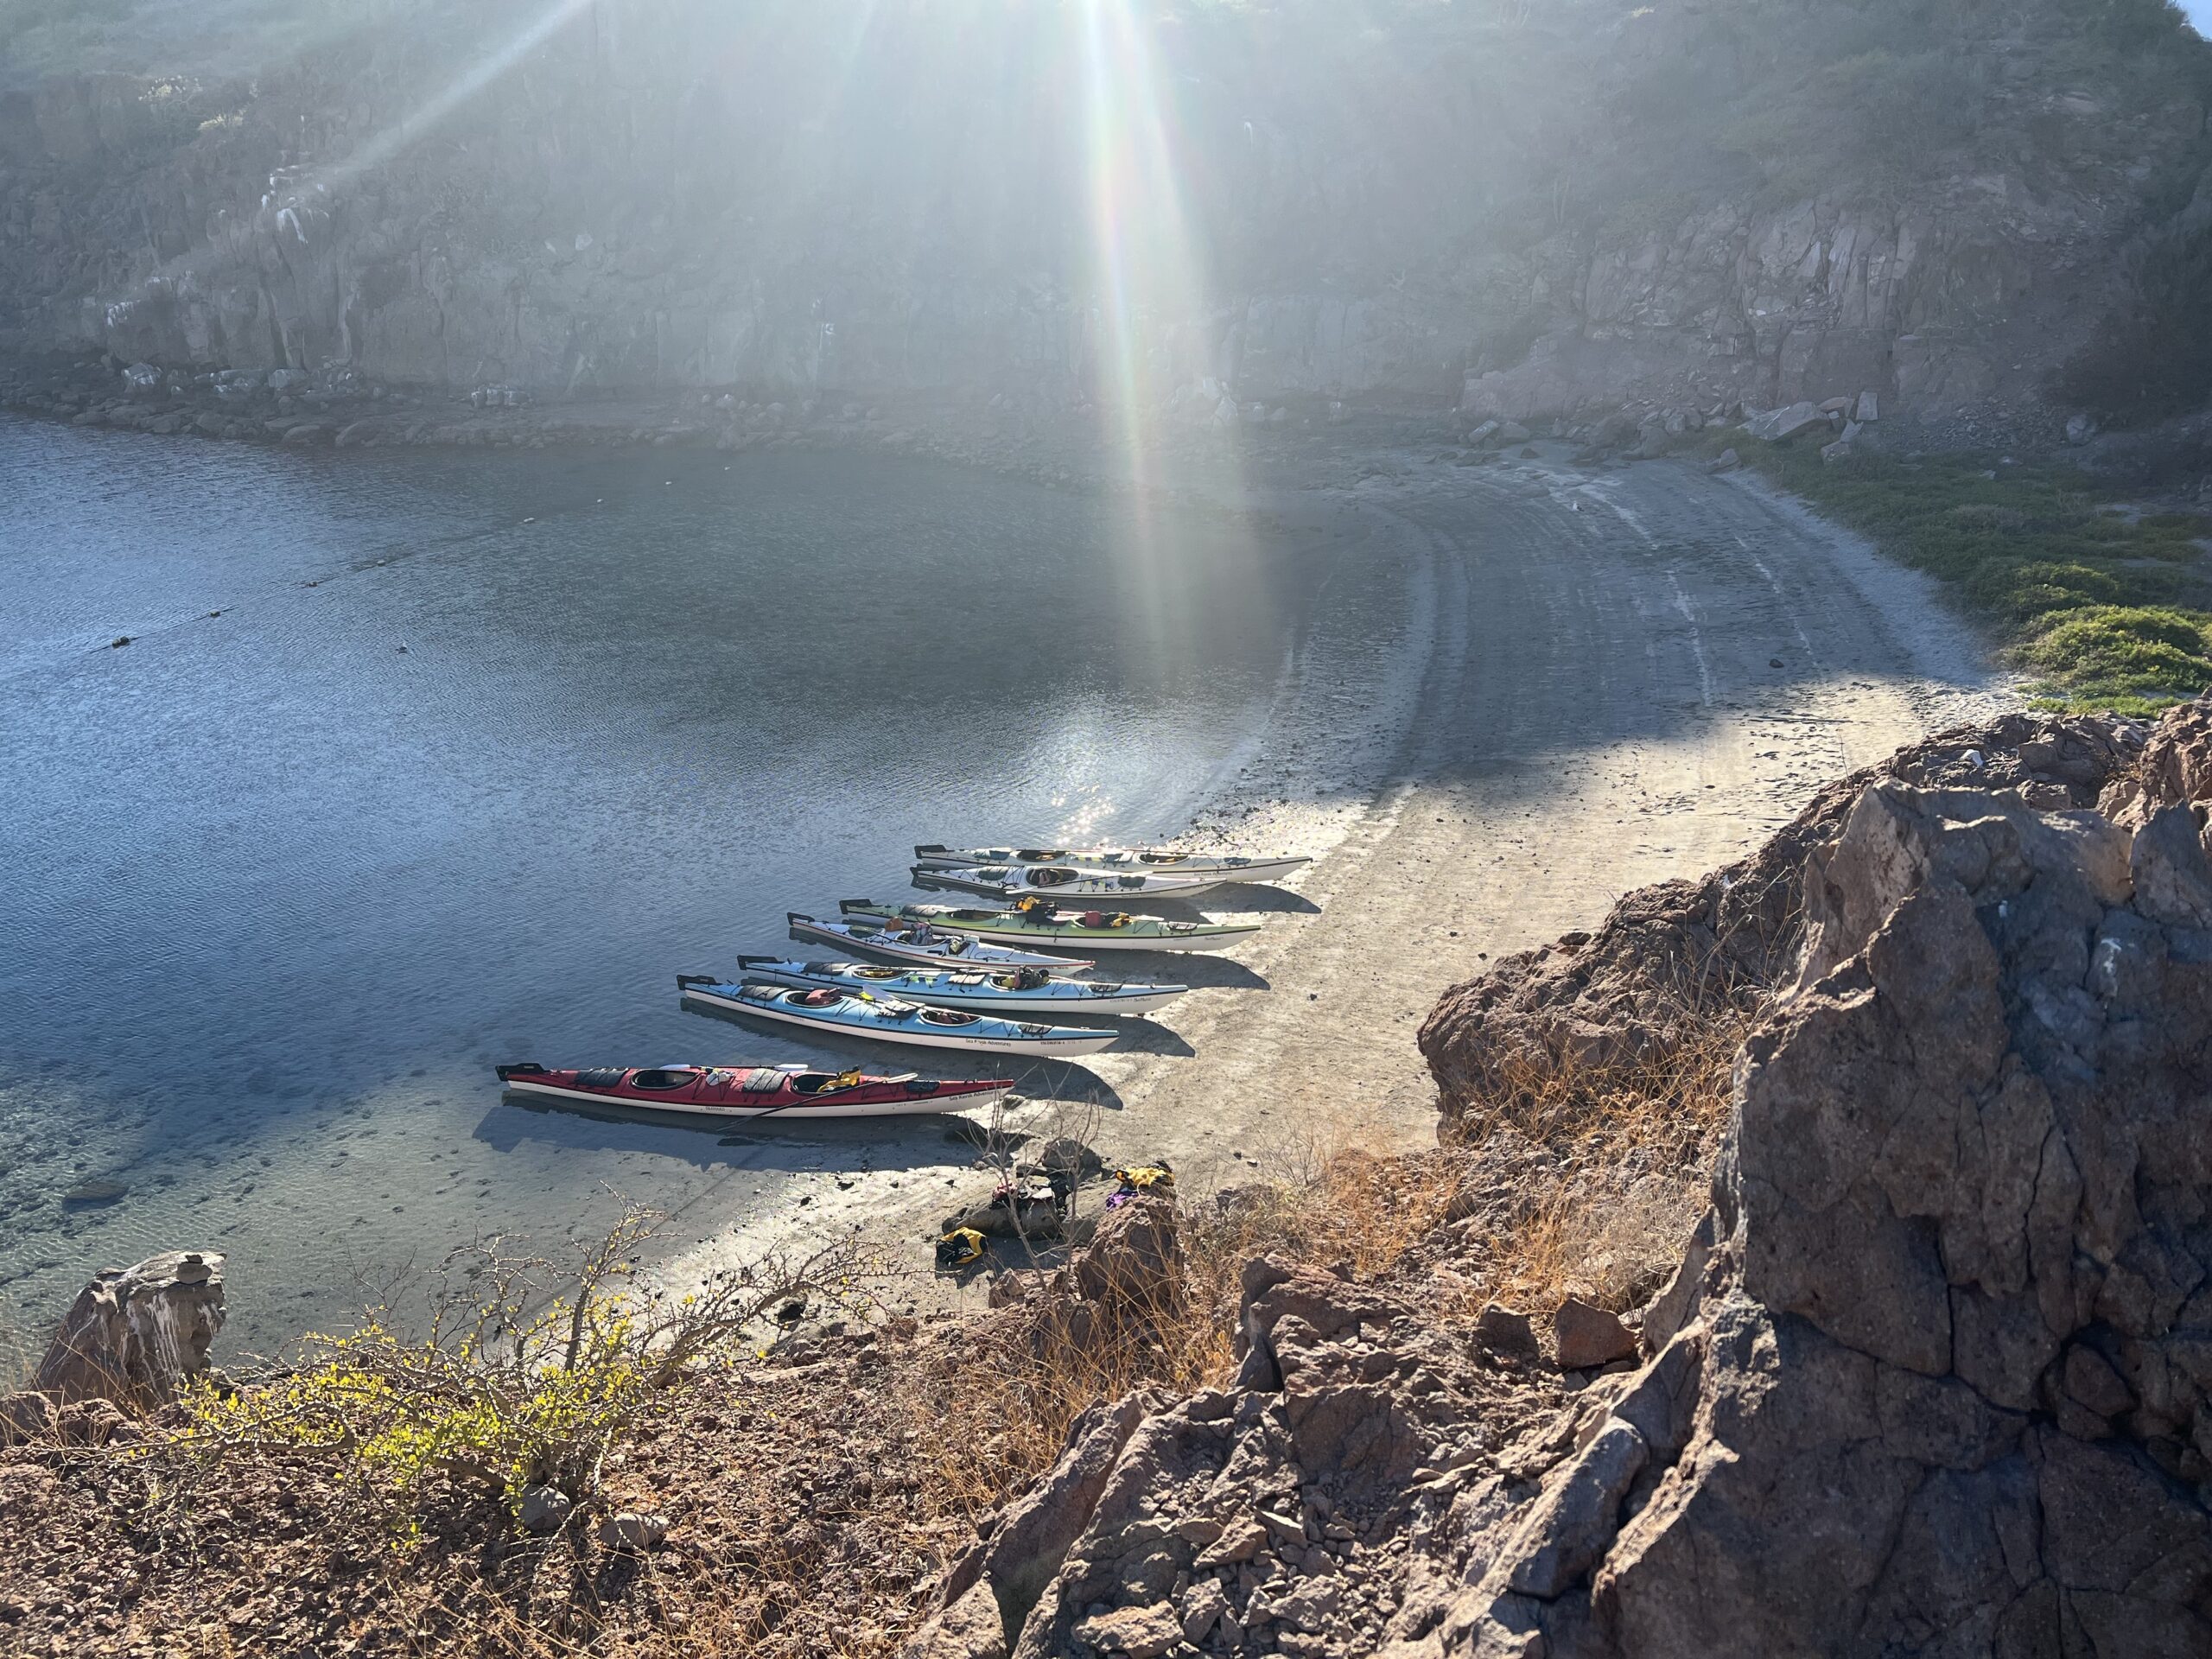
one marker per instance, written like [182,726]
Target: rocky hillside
[1923,1373]
[1929,1378]
[1530,209]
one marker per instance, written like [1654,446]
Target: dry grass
[985,1430]
[1570,1179]
[1597,1173]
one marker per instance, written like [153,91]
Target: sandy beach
[1613,677]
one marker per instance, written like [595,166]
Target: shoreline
[1412,894]
[1409,812]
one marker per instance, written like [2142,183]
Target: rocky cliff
[1930,1378]
[1526,209]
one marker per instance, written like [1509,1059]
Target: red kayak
[716,1094]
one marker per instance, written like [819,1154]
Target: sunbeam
[1149,285]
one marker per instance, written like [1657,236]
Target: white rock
[632,1531]
[1779,424]
[543,1509]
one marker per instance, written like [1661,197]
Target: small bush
[514,1385]
[2138,656]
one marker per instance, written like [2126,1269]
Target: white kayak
[1035,922]
[918,942]
[1150,861]
[858,1014]
[1063,883]
[1003,991]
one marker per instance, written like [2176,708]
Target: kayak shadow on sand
[1147,1037]
[1272,901]
[1200,972]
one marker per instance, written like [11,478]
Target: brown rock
[1584,1336]
[1503,1330]
[1139,1633]
[27,1415]
[1633,993]
[2174,769]
[2172,877]
[1953,1198]
[135,1334]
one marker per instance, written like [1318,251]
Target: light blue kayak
[859,1014]
[1001,990]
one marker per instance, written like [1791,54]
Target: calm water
[479,752]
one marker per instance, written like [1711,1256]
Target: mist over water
[476,756]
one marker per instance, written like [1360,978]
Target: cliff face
[1930,1379]
[1525,211]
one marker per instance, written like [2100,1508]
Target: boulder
[1643,985]
[632,1531]
[543,1509]
[1584,1336]
[1726,462]
[2174,768]
[1133,1262]
[135,1334]
[1503,1332]
[1138,1632]
[26,1415]
[1869,408]
[1778,425]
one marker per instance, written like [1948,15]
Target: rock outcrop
[135,1334]
[1669,956]
[1931,1378]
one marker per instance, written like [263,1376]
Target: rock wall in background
[1523,211]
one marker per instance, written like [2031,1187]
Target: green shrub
[2136,655]
[2110,611]
[511,1386]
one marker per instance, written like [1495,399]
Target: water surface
[418,762]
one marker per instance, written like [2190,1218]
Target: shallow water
[417,763]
